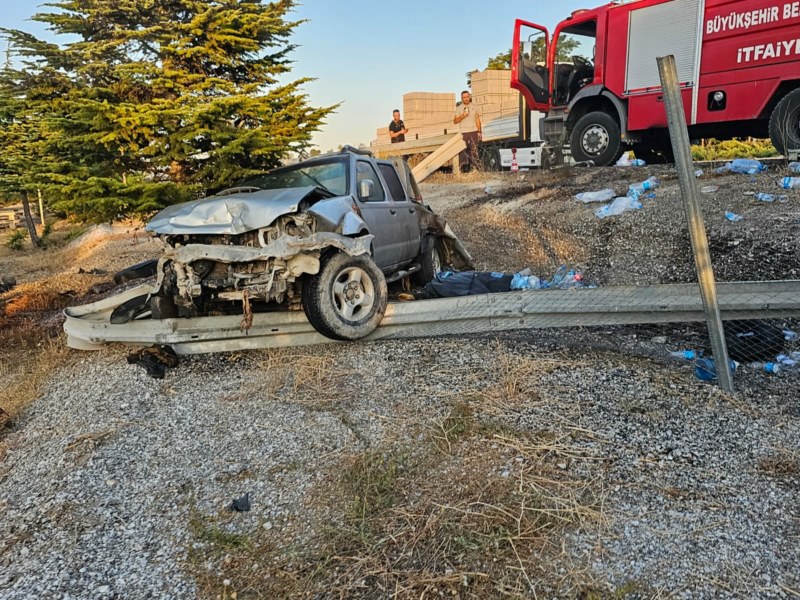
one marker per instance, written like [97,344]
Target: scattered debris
[241,504]
[746,166]
[617,207]
[709,189]
[626,161]
[599,196]
[82,271]
[761,196]
[155,359]
[733,217]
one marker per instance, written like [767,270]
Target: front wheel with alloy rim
[596,137]
[347,299]
[784,123]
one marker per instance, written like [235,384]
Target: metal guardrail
[88,327]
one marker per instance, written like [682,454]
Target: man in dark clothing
[397,129]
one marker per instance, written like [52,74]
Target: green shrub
[17,239]
[712,149]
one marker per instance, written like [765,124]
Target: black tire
[784,123]
[596,137]
[490,157]
[162,303]
[334,298]
[429,261]
[140,270]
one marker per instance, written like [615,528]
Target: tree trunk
[26,208]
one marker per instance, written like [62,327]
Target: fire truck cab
[596,78]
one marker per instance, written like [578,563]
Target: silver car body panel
[228,215]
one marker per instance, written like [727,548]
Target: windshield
[330,176]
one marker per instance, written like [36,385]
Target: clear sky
[368,53]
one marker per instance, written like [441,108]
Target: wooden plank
[436,160]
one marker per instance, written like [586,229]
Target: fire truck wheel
[490,157]
[596,137]
[784,124]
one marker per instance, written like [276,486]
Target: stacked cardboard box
[493,95]
[428,114]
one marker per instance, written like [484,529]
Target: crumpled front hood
[228,215]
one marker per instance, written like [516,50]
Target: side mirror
[366,189]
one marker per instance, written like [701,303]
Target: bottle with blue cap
[766,367]
[789,183]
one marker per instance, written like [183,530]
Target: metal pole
[679,135]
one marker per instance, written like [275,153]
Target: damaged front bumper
[229,271]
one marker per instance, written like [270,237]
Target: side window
[393,182]
[366,172]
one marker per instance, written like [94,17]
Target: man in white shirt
[468,119]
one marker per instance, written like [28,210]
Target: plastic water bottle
[645,186]
[617,207]
[733,217]
[561,273]
[684,354]
[706,370]
[794,167]
[638,162]
[600,196]
[767,367]
[748,166]
[766,197]
[789,183]
[698,173]
[789,335]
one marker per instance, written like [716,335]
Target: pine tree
[160,101]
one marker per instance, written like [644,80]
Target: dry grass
[291,374]
[31,340]
[475,509]
[783,464]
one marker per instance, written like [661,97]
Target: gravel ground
[104,480]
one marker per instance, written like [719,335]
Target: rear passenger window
[393,182]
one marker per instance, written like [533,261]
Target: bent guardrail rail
[88,327]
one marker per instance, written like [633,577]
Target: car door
[408,219]
[381,216]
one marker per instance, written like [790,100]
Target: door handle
[392,211]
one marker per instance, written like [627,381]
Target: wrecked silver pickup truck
[326,235]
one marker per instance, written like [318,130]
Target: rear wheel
[596,137]
[429,261]
[490,157]
[784,124]
[347,299]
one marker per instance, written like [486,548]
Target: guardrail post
[679,134]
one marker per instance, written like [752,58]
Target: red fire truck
[596,78]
